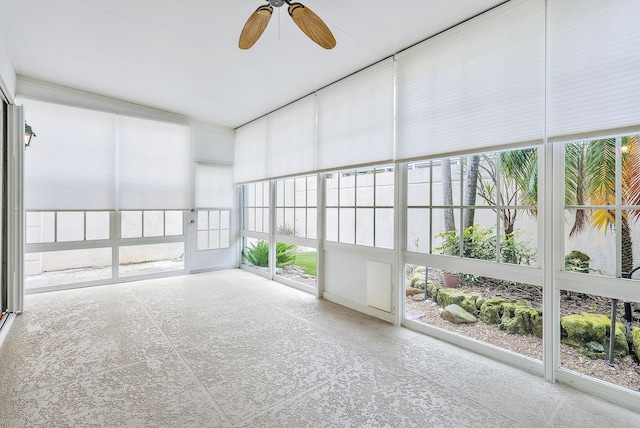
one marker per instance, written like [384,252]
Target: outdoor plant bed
[625,371]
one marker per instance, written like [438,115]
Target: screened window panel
[154,166]
[71,164]
[355,119]
[292,138]
[214,186]
[251,151]
[593,67]
[480,84]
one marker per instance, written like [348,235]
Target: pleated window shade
[251,151]
[593,67]
[154,164]
[70,165]
[355,119]
[480,84]
[292,138]
[214,186]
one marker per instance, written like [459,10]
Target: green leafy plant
[257,254]
[480,243]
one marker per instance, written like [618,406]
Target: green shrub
[258,254]
[480,243]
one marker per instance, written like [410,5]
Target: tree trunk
[447,195]
[627,259]
[470,190]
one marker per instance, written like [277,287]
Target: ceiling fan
[305,19]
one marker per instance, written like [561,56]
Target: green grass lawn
[307,261]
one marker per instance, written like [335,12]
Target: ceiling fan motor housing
[276,3]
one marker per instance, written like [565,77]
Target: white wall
[7,73]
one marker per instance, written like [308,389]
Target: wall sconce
[28,135]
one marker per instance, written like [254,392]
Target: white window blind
[292,134]
[214,186]
[480,84]
[593,67]
[71,163]
[355,119]
[153,164]
[251,151]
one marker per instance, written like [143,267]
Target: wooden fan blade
[255,26]
[312,25]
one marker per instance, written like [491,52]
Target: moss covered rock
[449,296]
[491,310]
[417,278]
[521,318]
[586,327]
[457,315]
[635,334]
[432,291]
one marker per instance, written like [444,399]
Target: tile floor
[229,348]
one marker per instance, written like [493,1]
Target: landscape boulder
[520,318]
[448,296]
[491,310]
[455,314]
[635,334]
[580,329]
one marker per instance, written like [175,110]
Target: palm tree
[590,179]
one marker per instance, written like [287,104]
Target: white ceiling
[182,56]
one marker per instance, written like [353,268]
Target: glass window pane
[312,222]
[153,223]
[347,225]
[384,227]
[347,190]
[289,193]
[66,267]
[173,223]
[418,230]
[214,239]
[97,225]
[152,258]
[224,238]
[301,192]
[280,193]
[332,190]
[331,228]
[70,226]
[585,327]
[214,219]
[513,320]
[203,240]
[203,219]
[40,227]
[418,178]
[131,224]
[224,219]
[364,193]
[301,222]
[364,226]
[384,188]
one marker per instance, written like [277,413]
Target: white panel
[212,144]
[214,186]
[71,162]
[345,275]
[480,84]
[154,166]
[379,285]
[355,119]
[251,151]
[292,138]
[594,64]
